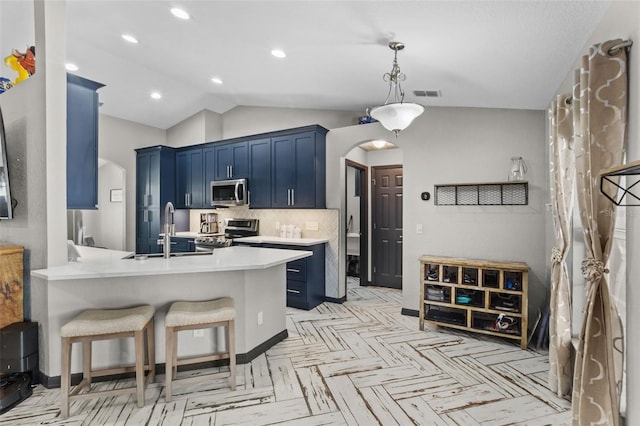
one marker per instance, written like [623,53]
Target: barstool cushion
[104,321]
[201,312]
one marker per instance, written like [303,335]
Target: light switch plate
[311,226]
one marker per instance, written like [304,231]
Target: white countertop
[266,239]
[103,263]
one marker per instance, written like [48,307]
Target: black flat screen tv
[6,210]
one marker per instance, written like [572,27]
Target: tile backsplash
[327,221]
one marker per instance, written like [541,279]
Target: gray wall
[461,145]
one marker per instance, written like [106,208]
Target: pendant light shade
[396,115]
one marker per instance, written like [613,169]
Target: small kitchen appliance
[208,223]
[234,228]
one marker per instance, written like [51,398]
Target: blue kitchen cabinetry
[190,193]
[82,143]
[298,170]
[305,277]
[182,244]
[260,173]
[209,155]
[155,186]
[231,160]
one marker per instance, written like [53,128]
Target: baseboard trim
[54,382]
[410,312]
[340,300]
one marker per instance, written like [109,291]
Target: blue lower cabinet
[182,245]
[305,277]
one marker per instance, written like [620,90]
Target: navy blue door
[260,174]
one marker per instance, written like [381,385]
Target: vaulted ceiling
[499,54]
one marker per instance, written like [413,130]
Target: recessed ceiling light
[216,80]
[156,95]
[70,67]
[278,53]
[179,13]
[130,38]
[379,143]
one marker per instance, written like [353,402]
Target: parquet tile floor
[357,363]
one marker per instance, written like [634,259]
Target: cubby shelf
[482,194]
[482,296]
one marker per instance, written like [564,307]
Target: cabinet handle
[293,291]
[149,199]
[248,198]
[145,200]
[228,171]
[144,216]
[186,199]
[288,197]
[297,271]
[293,197]
[231,171]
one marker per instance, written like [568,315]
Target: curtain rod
[614,49]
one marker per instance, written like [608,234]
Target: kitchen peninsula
[254,277]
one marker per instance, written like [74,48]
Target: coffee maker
[208,223]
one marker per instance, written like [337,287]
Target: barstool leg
[86,361]
[65,378]
[232,353]
[151,350]
[168,363]
[139,343]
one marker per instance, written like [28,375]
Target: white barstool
[195,316]
[104,324]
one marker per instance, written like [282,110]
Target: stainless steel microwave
[229,192]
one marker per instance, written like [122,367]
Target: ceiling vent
[427,93]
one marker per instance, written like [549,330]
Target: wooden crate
[11,284]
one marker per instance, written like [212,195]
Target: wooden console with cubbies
[476,295]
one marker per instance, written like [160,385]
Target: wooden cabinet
[298,171]
[155,186]
[190,179]
[12,284]
[305,277]
[231,160]
[481,296]
[82,143]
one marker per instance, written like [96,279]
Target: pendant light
[396,115]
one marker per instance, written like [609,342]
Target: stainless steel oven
[233,228]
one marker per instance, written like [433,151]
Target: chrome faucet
[166,246]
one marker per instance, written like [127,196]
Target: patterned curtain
[562,169]
[603,110]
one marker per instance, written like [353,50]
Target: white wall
[205,126]
[461,145]
[243,121]
[622,20]
[117,140]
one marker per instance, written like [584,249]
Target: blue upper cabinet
[231,160]
[155,186]
[82,143]
[190,192]
[260,173]
[298,170]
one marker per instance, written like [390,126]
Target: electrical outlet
[198,333]
[418,228]
[311,226]
[260,318]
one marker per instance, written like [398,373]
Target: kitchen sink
[160,255]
